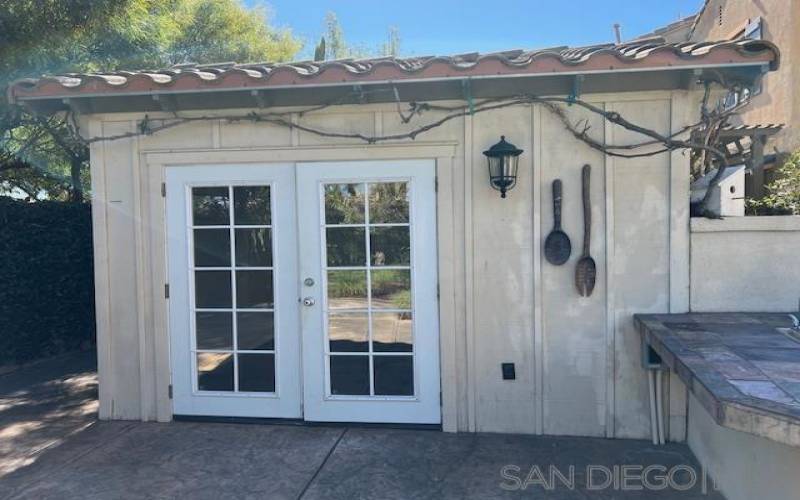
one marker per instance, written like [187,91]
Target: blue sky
[448,27]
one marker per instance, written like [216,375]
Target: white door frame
[319,405]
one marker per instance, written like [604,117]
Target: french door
[304,291]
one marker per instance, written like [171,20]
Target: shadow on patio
[43,404]
[52,447]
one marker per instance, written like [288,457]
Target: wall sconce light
[503,160]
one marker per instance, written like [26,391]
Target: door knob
[308,301]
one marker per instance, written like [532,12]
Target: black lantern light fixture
[503,160]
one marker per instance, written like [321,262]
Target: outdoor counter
[743,368]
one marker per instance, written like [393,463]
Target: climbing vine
[697,137]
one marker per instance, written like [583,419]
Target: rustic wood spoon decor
[586,271]
[557,247]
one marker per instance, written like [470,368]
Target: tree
[40,156]
[333,45]
[392,45]
[784,191]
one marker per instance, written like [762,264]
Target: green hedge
[46,279]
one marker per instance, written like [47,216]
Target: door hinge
[163,189]
[166,290]
[436,184]
[438,292]
[169,391]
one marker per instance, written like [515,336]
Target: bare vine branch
[709,126]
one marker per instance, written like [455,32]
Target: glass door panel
[234,331]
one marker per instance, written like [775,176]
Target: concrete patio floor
[57,450]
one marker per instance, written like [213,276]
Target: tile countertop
[743,367]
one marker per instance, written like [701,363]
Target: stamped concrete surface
[72,457]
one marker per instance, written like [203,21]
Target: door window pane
[394,375]
[347,289]
[344,203]
[253,247]
[214,330]
[391,289]
[212,289]
[214,371]
[388,202]
[391,332]
[210,206]
[256,372]
[348,332]
[390,246]
[251,205]
[350,375]
[345,246]
[212,248]
[255,331]
[254,289]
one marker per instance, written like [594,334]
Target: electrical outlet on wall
[509,371]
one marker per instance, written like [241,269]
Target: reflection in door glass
[344,203]
[369,291]
[210,206]
[214,371]
[348,332]
[390,246]
[255,330]
[253,247]
[345,246]
[388,202]
[391,332]
[234,331]
[214,330]
[347,289]
[251,205]
[254,289]
[391,289]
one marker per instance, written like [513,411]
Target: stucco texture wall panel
[342,123]
[392,123]
[503,266]
[246,134]
[744,466]
[186,136]
[640,233]
[573,326]
[123,300]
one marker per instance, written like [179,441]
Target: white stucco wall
[578,370]
[747,264]
[742,465]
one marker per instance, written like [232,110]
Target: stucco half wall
[743,466]
[746,264]
[577,359]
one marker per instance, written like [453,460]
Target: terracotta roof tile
[644,55]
